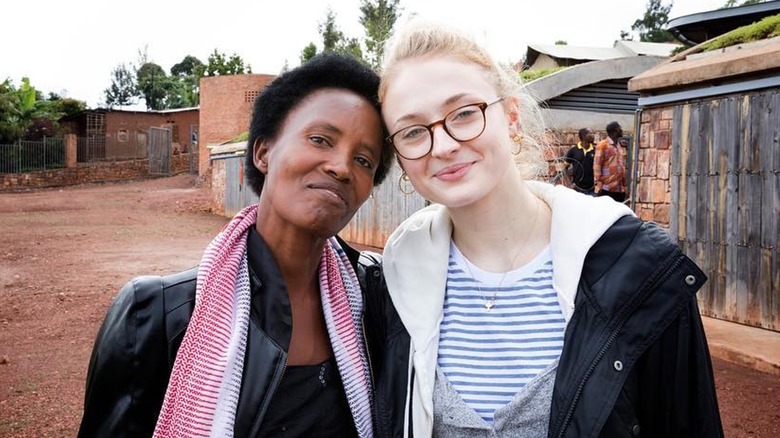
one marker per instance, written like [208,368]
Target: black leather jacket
[136,346]
[635,361]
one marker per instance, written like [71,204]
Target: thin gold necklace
[490,303]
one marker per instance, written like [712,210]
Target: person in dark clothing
[265,337]
[579,162]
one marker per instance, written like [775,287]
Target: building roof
[621,49]
[640,48]
[696,28]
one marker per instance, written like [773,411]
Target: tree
[123,90]
[331,34]
[188,66]
[561,43]
[11,128]
[153,84]
[733,3]
[68,107]
[651,26]
[378,18]
[25,114]
[308,52]
[219,64]
[186,77]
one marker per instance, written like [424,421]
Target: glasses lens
[465,123]
[412,142]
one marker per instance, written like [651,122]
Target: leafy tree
[651,26]
[219,64]
[733,3]
[11,128]
[69,107]
[153,84]
[186,89]
[561,43]
[378,18]
[332,36]
[25,114]
[123,90]
[39,128]
[188,66]
[308,52]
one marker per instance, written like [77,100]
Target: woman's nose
[443,143]
[339,165]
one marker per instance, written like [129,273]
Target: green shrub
[766,28]
[532,75]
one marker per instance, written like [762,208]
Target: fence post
[70,150]
[19,145]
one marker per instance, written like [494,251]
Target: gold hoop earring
[517,144]
[405,185]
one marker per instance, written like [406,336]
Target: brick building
[226,109]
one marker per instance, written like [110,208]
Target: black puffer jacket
[136,346]
[635,361]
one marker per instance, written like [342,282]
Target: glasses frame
[483,106]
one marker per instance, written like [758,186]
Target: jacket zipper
[374,287]
[370,369]
[667,272]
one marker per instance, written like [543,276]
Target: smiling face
[320,167]
[456,174]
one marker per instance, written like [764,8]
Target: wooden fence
[725,196]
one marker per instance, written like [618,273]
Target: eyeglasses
[462,124]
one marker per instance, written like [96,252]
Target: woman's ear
[260,155]
[512,110]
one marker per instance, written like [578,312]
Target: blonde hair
[420,38]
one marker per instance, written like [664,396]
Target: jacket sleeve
[128,369]
[677,393]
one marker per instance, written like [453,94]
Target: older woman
[265,336]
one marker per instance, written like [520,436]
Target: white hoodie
[415,267]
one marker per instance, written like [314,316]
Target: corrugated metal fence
[725,191]
[383,212]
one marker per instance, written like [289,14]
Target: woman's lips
[454,172]
[333,192]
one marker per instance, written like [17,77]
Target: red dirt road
[64,253]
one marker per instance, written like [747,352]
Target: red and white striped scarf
[202,394]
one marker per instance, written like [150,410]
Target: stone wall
[653,192]
[87,173]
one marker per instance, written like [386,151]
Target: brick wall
[87,173]
[225,109]
[653,196]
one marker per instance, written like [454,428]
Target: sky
[71,47]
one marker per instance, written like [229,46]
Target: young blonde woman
[516,319]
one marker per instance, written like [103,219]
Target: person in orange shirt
[609,165]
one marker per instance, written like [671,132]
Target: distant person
[609,165]
[579,162]
[266,336]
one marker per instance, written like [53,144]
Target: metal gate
[160,146]
[193,149]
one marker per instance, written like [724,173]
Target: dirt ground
[64,253]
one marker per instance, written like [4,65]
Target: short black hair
[583,132]
[286,91]
[613,127]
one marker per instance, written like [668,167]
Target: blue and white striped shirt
[488,356]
